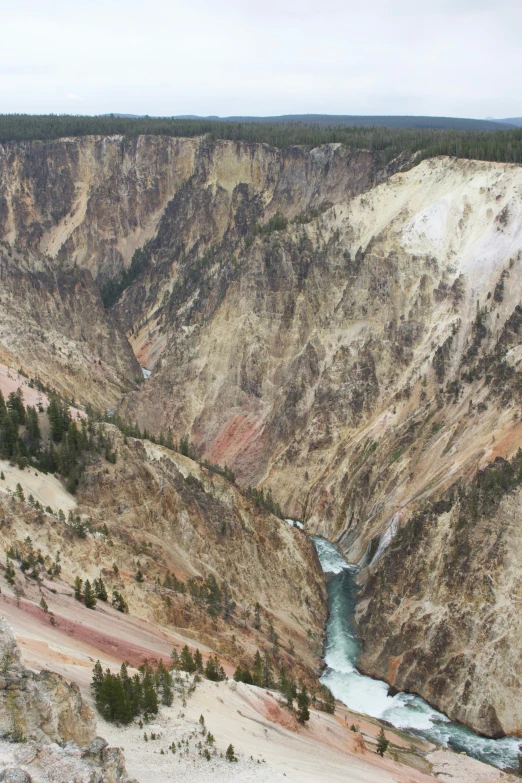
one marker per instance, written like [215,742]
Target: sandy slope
[267,750]
[46,488]
[11,380]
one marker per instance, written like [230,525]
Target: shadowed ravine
[370,697]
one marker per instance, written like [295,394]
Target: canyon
[343,332]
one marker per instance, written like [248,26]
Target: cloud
[446,57]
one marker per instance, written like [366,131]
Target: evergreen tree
[97,680]
[257,673]
[15,402]
[213,670]
[89,596]
[164,679]
[78,588]
[288,688]
[382,743]
[303,704]
[257,616]
[267,671]
[150,699]
[58,415]
[33,430]
[113,701]
[198,661]
[242,674]
[187,661]
[230,754]
[136,695]
[119,602]
[176,664]
[99,589]
[9,572]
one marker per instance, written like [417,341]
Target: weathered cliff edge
[46,727]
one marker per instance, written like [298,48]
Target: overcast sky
[166,57]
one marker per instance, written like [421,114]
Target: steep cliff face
[77,209]
[438,613]
[53,325]
[294,358]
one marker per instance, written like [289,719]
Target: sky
[240,57]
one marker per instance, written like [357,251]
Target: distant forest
[503,145]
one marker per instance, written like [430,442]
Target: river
[370,697]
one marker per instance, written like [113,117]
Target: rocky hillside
[343,333]
[46,727]
[182,546]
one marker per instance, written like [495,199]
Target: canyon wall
[342,332]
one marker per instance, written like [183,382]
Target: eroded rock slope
[344,333]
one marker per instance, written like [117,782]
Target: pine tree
[113,702]
[213,670]
[176,664]
[257,673]
[136,695]
[150,699]
[288,688]
[54,415]
[15,402]
[267,671]
[247,677]
[33,430]
[198,661]
[78,588]
[97,679]
[257,616]
[230,754]
[9,572]
[99,589]
[382,743]
[303,703]
[20,493]
[187,661]
[164,679]
[119,602]
[89,596]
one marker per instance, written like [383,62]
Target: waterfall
[387,536]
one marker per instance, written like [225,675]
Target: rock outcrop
[47,730]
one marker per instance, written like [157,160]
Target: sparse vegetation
[120,698]
[382,743]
